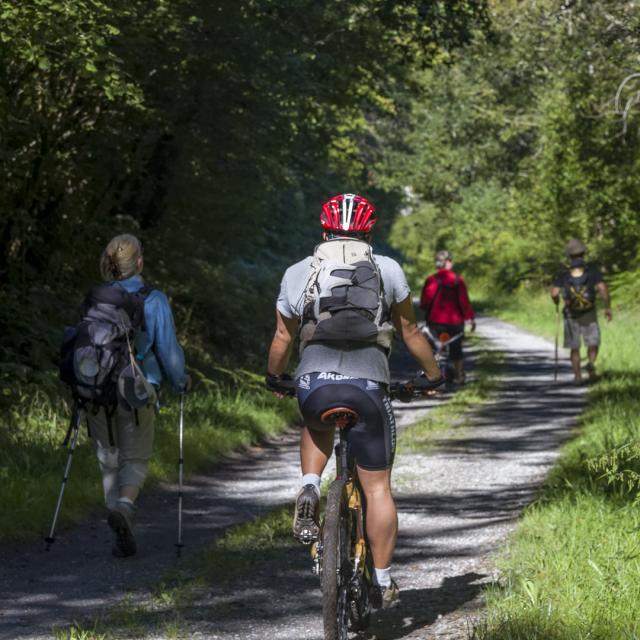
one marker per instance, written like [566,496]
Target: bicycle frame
[353,491]
[440,345]
[354,575]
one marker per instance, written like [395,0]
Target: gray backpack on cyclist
[344,303]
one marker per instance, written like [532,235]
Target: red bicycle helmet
[348,212]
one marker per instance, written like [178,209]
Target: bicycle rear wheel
[335,564]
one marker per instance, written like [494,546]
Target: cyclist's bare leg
[575,363]
[316,448]
[382,519]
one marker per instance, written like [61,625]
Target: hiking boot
[120,520]
[307,515]
[385,597]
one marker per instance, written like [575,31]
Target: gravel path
[456,506]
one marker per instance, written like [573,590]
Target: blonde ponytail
[121,258]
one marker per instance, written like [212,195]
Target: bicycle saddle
[342,417]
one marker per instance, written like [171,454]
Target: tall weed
[32,459]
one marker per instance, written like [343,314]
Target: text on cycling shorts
[372,440]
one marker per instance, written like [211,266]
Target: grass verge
[487,366]
[572,570]
[32,458]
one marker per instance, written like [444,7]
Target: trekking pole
[555,365]
[74,427]
[179,544]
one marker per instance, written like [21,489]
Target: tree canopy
[519,144]
[213,130]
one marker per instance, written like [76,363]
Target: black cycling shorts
[372,440]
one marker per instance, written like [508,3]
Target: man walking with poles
[578,283]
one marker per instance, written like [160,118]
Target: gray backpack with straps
[344,301]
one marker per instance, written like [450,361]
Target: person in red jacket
[446,304]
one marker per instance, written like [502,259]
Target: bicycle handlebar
[415,388]
[283,384]
[404,391]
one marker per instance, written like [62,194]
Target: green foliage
[517,145]
[572,569]
[619,468]
[32,459]
[210,129]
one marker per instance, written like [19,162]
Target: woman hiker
[122,436]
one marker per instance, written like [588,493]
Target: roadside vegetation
[32,458]
[572,570]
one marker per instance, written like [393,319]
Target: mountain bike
[341,555]
[440,345]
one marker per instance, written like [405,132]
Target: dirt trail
[456,506]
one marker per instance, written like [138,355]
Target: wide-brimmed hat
[575,247]
[134,390]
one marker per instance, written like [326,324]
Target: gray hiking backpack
[344,303]
[97,351]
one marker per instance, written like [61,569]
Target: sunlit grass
[572,571]
[487,367]
[32,459]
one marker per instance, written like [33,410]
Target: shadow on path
[420,608]
[472,489]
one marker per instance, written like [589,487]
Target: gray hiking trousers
[126,460]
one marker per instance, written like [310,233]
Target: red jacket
[445,299]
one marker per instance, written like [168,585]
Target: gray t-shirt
[364,362]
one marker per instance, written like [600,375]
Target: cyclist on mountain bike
[352,370]
[447,307]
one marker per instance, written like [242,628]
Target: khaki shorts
[585,327]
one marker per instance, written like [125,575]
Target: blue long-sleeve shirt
[157,346]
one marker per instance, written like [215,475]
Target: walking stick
[179,544]
[74,428]
[555,366]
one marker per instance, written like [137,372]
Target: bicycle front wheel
[335,564]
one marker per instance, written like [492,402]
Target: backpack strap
[441,284]
[144,293]
[457,288]
[438,280]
